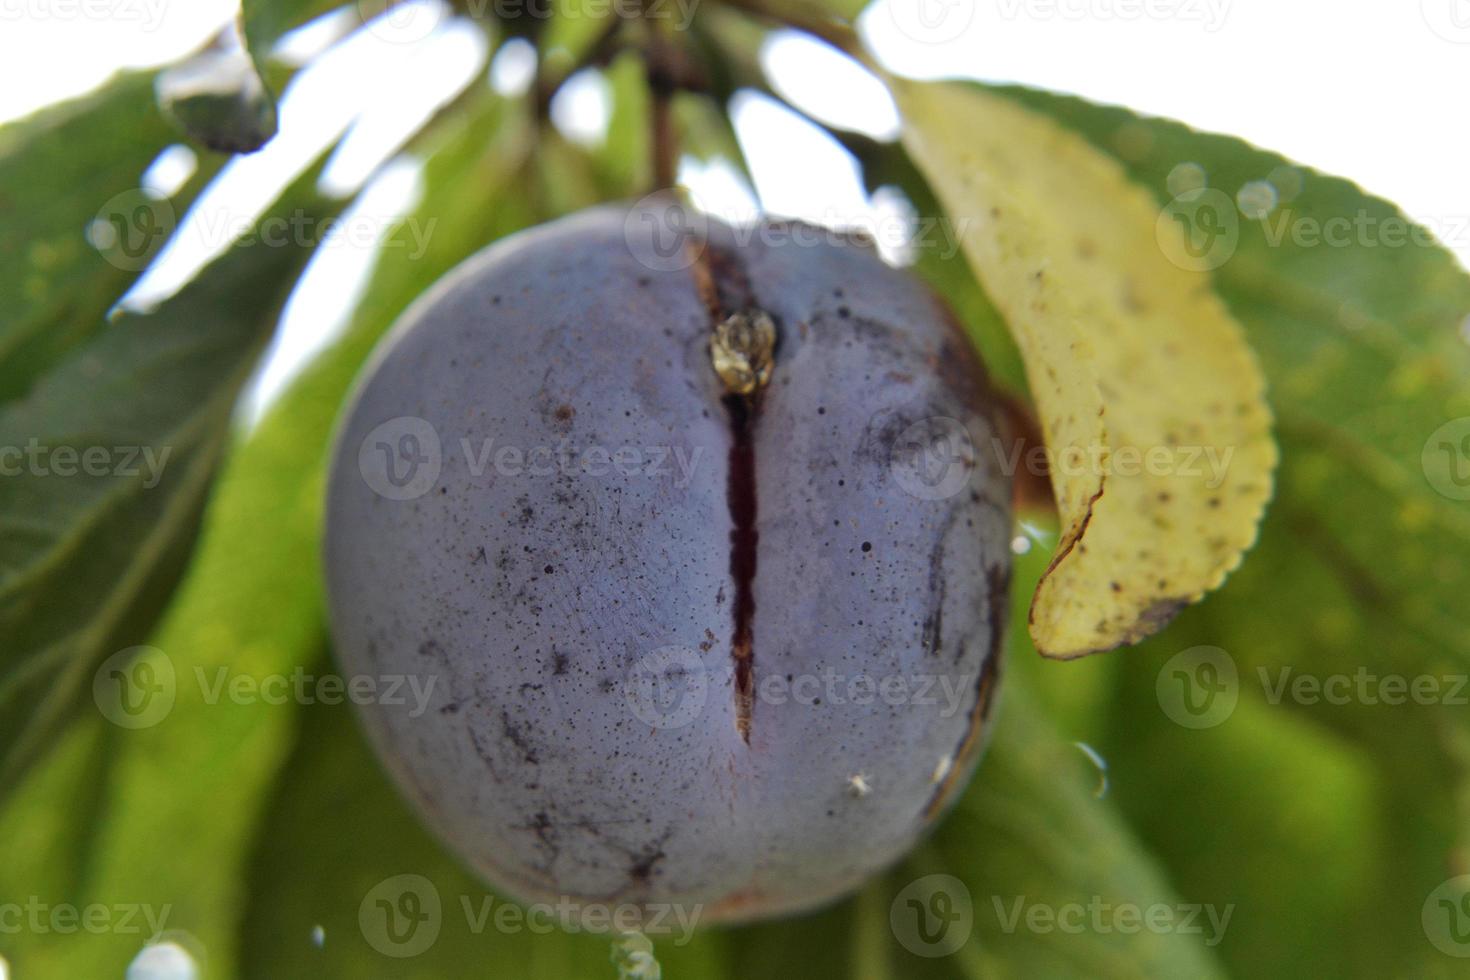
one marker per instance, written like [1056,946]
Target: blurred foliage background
[1333,833]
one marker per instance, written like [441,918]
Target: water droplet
[163,961]
[318,936]
[1102,769]
[1186,177]
[1256,199]
[1288,182]
[1020,544]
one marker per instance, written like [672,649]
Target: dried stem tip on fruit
[741,351]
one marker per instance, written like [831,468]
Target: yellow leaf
[1151,401]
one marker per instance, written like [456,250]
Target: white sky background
[1374,90]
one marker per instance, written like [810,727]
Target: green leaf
[61,170]
[1365,351]
[1320,819]
[1031,834]
[250,607]
[573,30]
[624,160]
[337,841]
[332,769]
[112,453]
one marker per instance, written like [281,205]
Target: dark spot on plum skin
[642,869]
[514,735]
